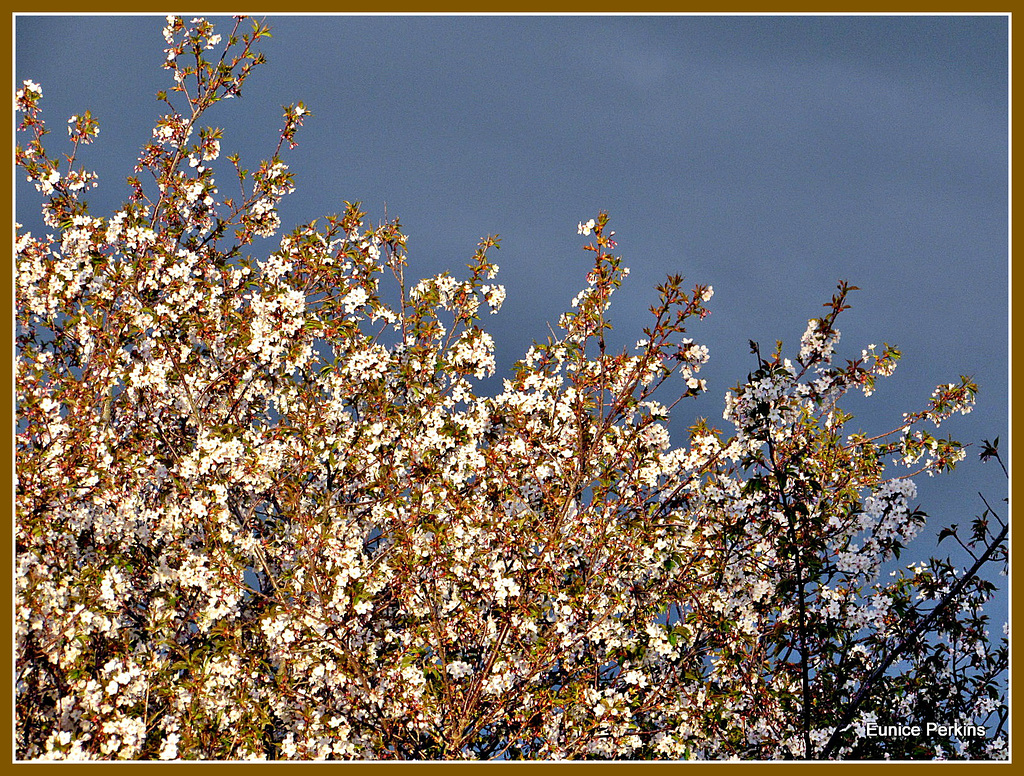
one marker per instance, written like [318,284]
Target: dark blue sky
[768,156]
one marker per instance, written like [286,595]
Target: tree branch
[898,650]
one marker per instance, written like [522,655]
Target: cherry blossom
[266,511]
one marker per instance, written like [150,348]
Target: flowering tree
[263,512]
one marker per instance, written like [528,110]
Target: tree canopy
[264,510]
